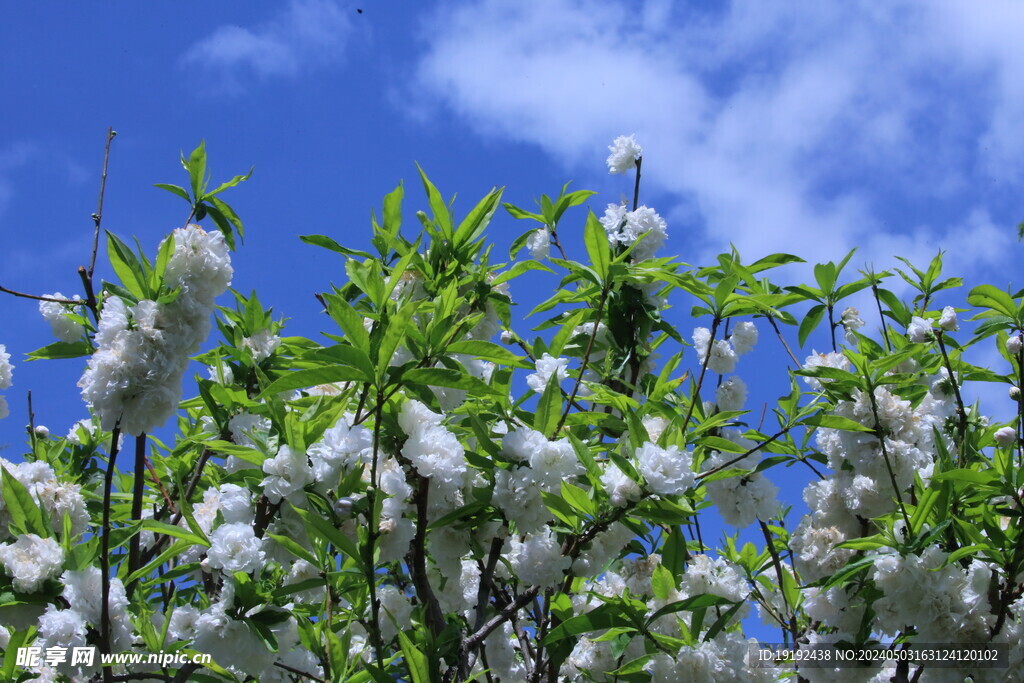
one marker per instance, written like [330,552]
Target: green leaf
[175,531]
[518,269]
[327,243]
[393,211]
[549,408]
[810,322]
[442,216]
[478,219]
[349,320]
[301,379]
[415,660]
[598,249]
[61,350]
[987,296]
[489,351]
[394,334]
[230,183]
[835,422]
[319,526]
[578,499]
[25,514]
[127,267]
[175,189]
[662,582]
[451,379]
[196,167]
[294,548]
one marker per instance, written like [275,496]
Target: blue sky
[802,127]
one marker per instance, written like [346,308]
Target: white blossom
[31,560]
[624,228]
[619,486]
[289,472]
[1005,436]
[234,548]
[948,320]
[547,366]
[723,357]
[261,344]
[624,152]
[667,471]
[1013,344]
[744,337]
[731,394]
[919,331]
[537,560]
[5,368]
[539,243]
[63,327]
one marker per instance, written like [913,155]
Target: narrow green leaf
[598,249]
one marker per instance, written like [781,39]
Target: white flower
[62,628]
[666,470]
[1013,345]
[619,486]
[539,243]
[731,394]
[744,337]
[289,472]
[64,328]
[919,331]
[1005,436]
[624,152]
[235,548]
[84,591]
[31,560]
[723,356]
[537,560]
[433,450]
[235,504]
[262,344]
[183,623]
[5,368]
[200,264]
[713,576]
[547,366]
[948,320]
[832,359]
[341,447]
[521,442]
[851,322]
[626,227]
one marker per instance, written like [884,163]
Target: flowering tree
[415,501]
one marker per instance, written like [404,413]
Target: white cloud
[777,126]
[304,34]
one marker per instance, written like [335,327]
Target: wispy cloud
[304,34]
[809,127]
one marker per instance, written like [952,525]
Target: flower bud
[1005,436]
[919,331]
[1013,345]
[507,337]
[948,320]
[42,431]
[1015,393]
[343,507]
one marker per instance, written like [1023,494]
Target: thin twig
[97,218]
[35,297]
[299,672]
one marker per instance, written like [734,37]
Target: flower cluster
[134,377]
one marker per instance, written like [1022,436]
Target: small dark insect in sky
[359,10]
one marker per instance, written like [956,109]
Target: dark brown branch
[108,482]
